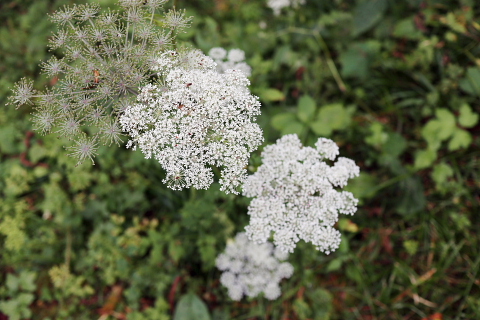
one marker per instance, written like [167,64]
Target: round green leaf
[271,94]
[321,128]
[282,120]
[293,127]
[306,108]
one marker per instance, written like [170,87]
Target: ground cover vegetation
[394,83]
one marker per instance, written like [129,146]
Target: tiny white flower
[236,55]
[197,119]
[294,195]
[278,5]
[250,269]
[234,60]
[217,53]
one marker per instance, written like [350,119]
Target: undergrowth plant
[394,84]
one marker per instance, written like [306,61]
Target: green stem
[469,286]
[392,181]
[328,57]
[193,193]
[99,58]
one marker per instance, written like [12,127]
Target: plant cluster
[394,84]
[107,56]
[233,59]
[250,268]
[195,119]
[294,194]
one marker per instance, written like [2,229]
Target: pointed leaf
[191,307]
[367,14]
[471,82]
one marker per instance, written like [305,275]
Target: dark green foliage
[394,83]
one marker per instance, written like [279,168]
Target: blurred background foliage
[395,83]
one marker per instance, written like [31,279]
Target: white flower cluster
[234,60]
[196,119]
[294,194]
[251,268]
[278,5]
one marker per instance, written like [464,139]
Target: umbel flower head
[250,269]
[104,57]
[278,5]
[196,119]
[295,197]
[234,59]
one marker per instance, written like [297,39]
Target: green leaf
[281,120]
[412,196]
[441,172]
[430,132]
[461,221]
[302,308]
[191,307]
[353,273]
[334,265]
[406,29]
[321,128]
[12,283]
[363,186]
[345,224]
[220,314]
[335,115]
[471,82]
[271,94]
[176,250]
[27,280]
[424,158]
[306,108]
[467,117]
[293,127]
[395,145]
[452,21]
[25,298]
[439,129]
[323,304]
[11,308]
[357,59]
[447,123]
[367,14]
[460,139]
[411,246]
[377,136]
